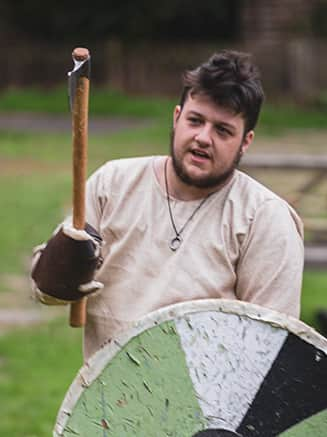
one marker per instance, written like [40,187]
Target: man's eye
[194,120]
[223,131]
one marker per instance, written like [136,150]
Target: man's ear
[247,140]
[177,113]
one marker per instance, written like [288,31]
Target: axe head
[82,68]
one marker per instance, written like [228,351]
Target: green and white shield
[203,368]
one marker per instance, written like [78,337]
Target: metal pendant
[175,243]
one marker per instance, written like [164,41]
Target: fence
[296,68]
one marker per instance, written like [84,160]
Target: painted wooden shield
[205,368]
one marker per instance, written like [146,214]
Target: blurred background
[139,50]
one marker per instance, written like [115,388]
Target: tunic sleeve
[95,197]
[270,268]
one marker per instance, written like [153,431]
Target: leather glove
[66,265]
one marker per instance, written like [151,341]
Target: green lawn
[314,295]
[104,101]
[38,364]
[35,182]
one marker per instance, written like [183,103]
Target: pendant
[175,243]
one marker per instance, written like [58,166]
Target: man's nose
[204,136]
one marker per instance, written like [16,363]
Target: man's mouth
[199,153]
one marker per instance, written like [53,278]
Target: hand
[66,266]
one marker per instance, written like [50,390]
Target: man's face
[207,143]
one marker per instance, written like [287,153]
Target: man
[187,226]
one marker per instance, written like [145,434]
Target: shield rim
[97,362]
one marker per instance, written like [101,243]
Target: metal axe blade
[82,68]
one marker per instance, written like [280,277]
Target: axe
[78,88]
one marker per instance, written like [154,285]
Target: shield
[199,369]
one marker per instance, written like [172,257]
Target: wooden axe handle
[80,144]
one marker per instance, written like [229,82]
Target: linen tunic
[244,243]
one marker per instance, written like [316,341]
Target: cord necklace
[177,240]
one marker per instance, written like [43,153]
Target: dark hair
[232,81]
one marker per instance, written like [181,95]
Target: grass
[105,101]
[102,102]
[314,295]
[35,184]
[38,364]
[56,148]
[32,207]
[276,119]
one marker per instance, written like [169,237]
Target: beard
[205,182]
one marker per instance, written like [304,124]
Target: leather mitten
[67,264]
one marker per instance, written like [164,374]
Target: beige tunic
[243,243]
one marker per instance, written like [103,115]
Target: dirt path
[26,166]
[307,141]
[27,122]
[18,308]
